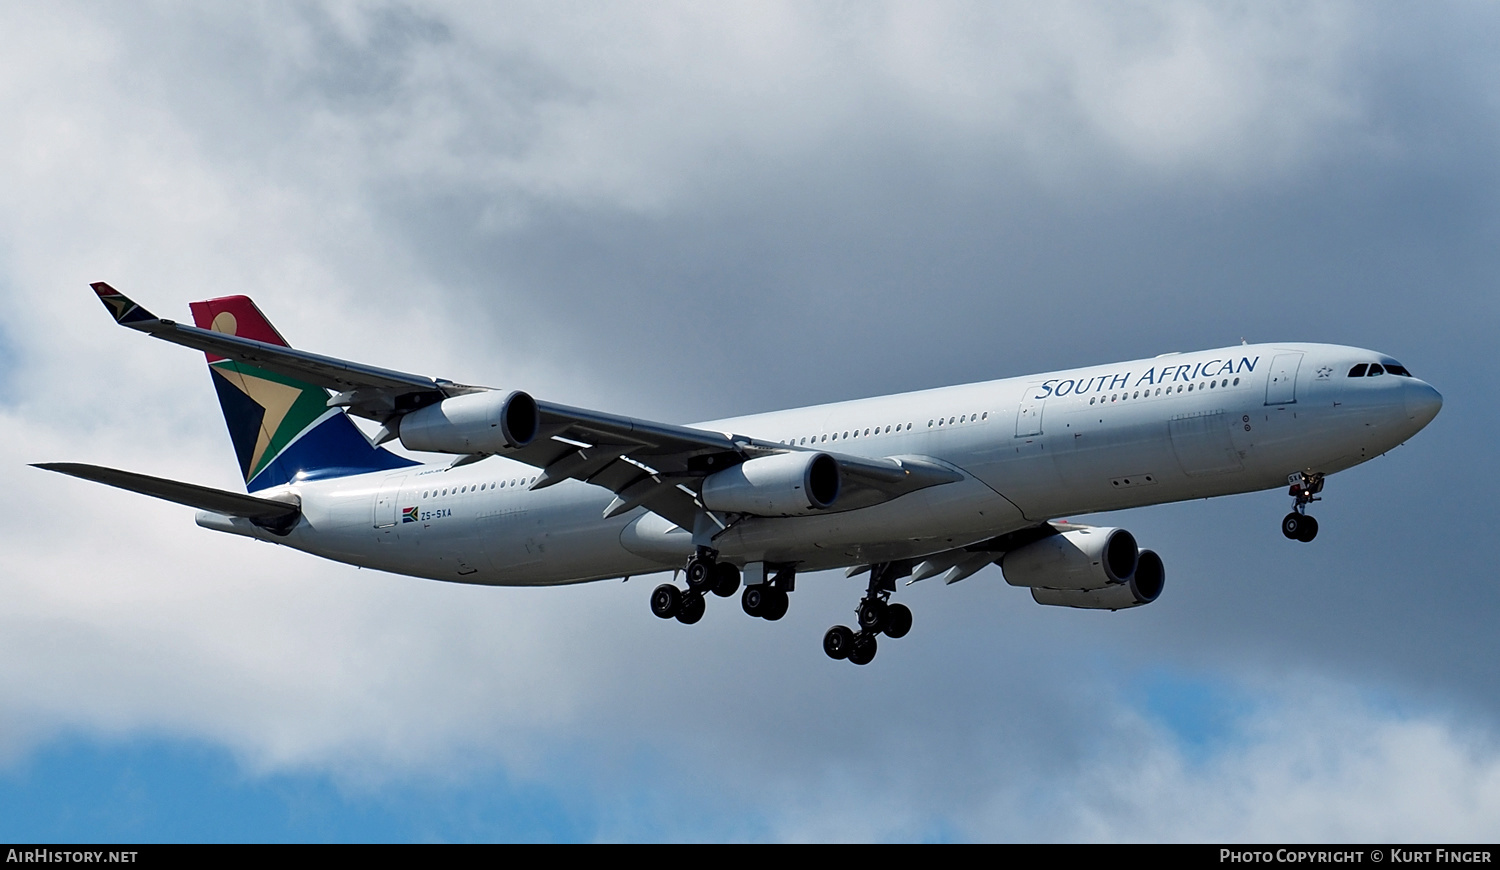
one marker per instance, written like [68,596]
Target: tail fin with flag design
[282,428]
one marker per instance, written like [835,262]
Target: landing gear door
[1029,414]
[1281,386]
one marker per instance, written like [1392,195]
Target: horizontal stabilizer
[270,514]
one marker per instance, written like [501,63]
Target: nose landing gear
[1297,525]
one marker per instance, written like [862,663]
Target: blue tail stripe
[332,448]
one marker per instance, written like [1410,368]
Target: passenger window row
[1147,393]
[478,487]
[954,421]
[869,432]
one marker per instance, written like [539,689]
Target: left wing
[658,466]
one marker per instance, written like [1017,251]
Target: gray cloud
[683,214]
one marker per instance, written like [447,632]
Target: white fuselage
[1034,448]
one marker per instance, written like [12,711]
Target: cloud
[1315,763]
[683,213]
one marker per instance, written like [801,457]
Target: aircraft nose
[1422,403]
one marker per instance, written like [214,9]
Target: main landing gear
[768,600]
[875,615]
[705,573]
[1297,525]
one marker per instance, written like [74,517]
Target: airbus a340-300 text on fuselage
[938,483]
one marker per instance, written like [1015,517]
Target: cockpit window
[1395,369]
[1359,370]
[1375,369]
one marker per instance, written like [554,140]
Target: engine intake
[1142,588]
[489,422]
[782,485]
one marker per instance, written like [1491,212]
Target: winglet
[121,307]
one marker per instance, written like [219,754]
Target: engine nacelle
[782,485]
[1143,587]
[488,422]
[1077,559]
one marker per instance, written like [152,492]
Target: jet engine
[1097,569]
[781,485]
[488,422]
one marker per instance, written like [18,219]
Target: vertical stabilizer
[282,428]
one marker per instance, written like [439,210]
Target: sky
[689,211]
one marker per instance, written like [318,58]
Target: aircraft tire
[873,615]
[897,621]
[1291,525]
[666,601]
[838,642]
[776,605]
[692,608]
[863,650]
[726,580]
[1309,529]
[754,600]
[700,574]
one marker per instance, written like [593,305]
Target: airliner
[934,484]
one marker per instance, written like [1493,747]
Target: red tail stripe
[248,322]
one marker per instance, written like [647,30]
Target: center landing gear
[768,600]
[704,574]
[1297,525]
[876,615]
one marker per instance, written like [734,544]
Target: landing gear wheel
[692,608]
[872,615]
[863,650]
[754,600]
[776,604]
[897,621]
[726,580]
[700,573]
[1297,525]
[838,642]
[666,601]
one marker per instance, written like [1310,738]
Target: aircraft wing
[277,516]
[659,466]
[367,391]
[961,562]
[654,465]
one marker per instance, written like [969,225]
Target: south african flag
[408,515]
